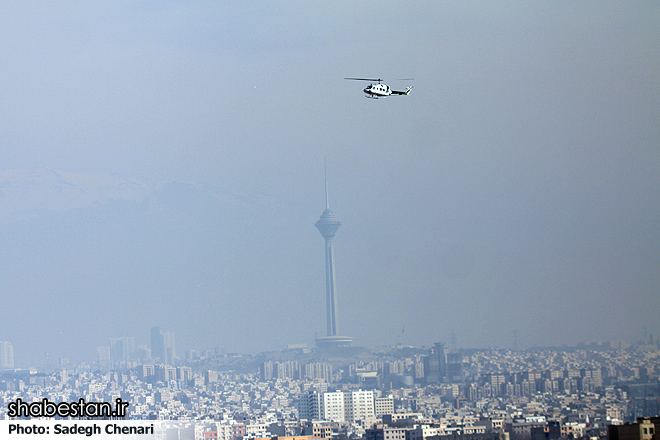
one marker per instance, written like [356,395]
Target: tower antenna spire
[325,170]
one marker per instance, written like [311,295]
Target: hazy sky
[516,188]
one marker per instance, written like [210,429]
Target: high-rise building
[121,348]
[337,406]
[333,406]
[309,405]
[6,355]
[266,371]
[435,364]
[165,373]
[163,346]
[383,405]
[184,374]
[169,350]
[157,344]
[359,405]
[103,354]
[327,225]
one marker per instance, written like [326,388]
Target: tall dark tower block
[435,364]
[327,225]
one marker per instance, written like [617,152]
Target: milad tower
[327,225]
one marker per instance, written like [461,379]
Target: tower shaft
[327,226]
[330,293]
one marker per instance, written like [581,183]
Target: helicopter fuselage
[381,90]
[376,90]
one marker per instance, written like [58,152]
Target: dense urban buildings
[396,393]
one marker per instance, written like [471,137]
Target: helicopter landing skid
[371,96]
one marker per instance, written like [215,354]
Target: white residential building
[337,406]
[333,407]
[359,406]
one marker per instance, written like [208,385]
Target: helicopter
[377,89]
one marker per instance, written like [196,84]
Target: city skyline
[116,353]
[609,384]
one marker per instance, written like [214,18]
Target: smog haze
[163,165]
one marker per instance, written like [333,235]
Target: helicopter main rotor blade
[366,79]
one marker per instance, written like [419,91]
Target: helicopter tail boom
[406,92]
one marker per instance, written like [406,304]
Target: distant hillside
[23,193]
